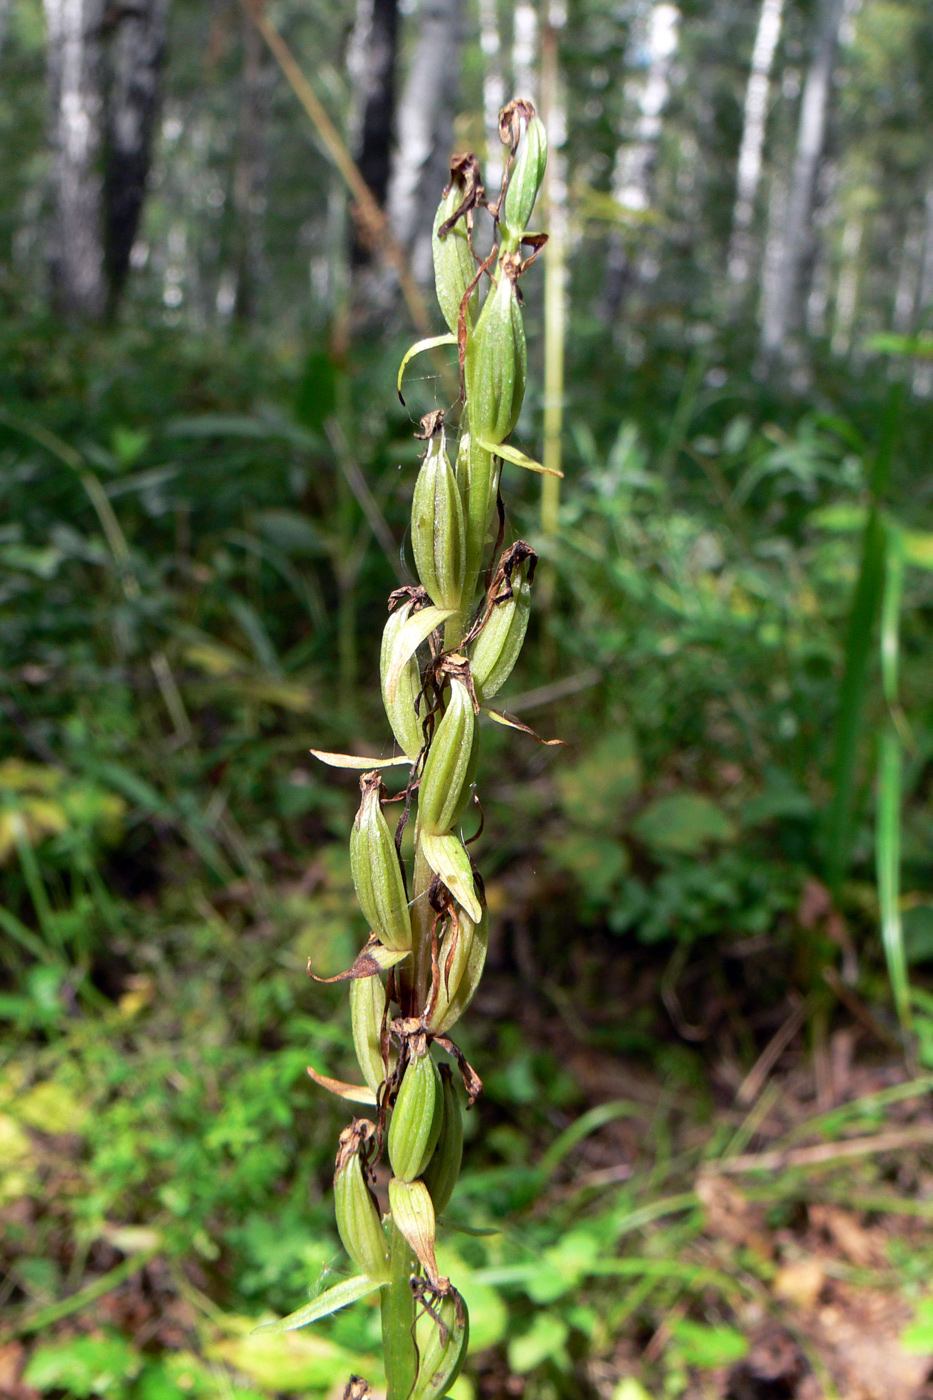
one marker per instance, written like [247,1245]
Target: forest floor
[759,1232]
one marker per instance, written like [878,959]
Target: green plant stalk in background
[449,645]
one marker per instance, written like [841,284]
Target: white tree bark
[654,41]
[493,92]
[782,305]
[76,131]
[424,125]
[748,174]
[847,287]
[525,51]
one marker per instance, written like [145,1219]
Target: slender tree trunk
[657,35]
[137,51]
[847,287]
[371,60]
[493,91]
[908,278]
[782,307]
[525,51]
[420,168]
[76,251]
[247,177]
[748,174]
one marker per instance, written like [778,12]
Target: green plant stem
[398,1319]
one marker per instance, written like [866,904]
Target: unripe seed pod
[443,1335]
[403,717]
[524,182]
[450,766]
[441,1173]
[437,530]
[454,267]
[413,1213]
[377,872]
[418,1114]
[461,968]
[496,361]
[367,1012]
[478,478]
[496,649]
[358,1220]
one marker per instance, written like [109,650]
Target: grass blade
[888,864]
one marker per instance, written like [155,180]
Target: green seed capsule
[461,967]
[524,183]
[443,1336]
[437,530]
[367,1012]
[441,1173]
[496,361]
[496,649]
[377,872]
[417,1116]
[450,766]
[478,478]
[403,717]
[413,1213]
[358,1220]
[454,267]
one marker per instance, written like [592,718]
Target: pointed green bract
[402,706]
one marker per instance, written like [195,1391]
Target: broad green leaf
[682,824]
[918,548]
[544,1341]
[840,518]
[595,789]
[84,1366]
[708,1346]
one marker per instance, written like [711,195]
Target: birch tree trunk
[493,91]
[421,166]
[524,51]
[76,252]
[247,177]
[656,36]
[748,174]
[137,52]
[371,59]
[782,304]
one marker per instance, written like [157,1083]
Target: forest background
[705,1149]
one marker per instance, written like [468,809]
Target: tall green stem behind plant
[450,643]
